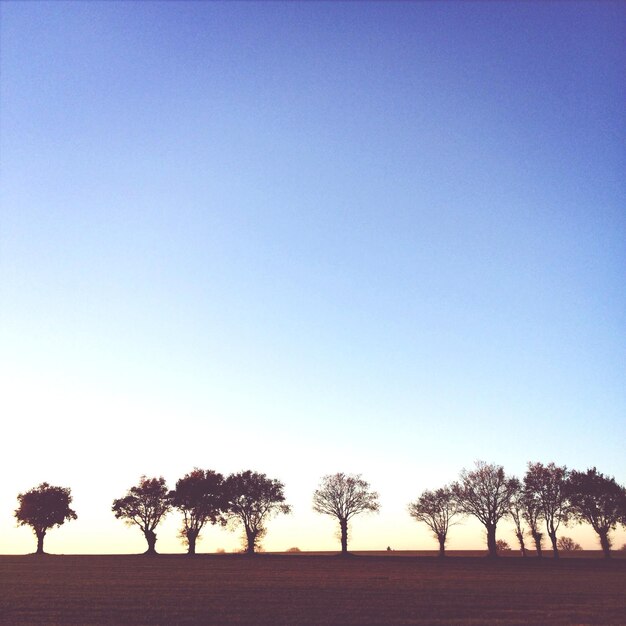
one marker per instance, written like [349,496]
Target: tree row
[547,497]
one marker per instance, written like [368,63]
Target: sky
[305,238]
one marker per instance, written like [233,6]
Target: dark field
[310,589]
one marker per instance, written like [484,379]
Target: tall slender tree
[144,505]
[201,499]
[485,492]
[547,483]
[344,496]
[598,500]
[516,513]
[43,508]
[436,509]
[531,512]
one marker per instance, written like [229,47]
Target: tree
[547,483]
[436,509]
[567,544]
[144,505]
[43,508]
[200,497]
[344,496]
[516,513]
[531,512]
[598,500]
[502,546]
[252,500]
[485,493]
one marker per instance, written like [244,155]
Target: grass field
[310,589]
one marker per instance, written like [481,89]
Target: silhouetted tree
[344,496]
[516,513]
[548,484]
[436,509]
[200,497]
[531,512]
[597,500]
[502,546]
[252,500]
[485,493]
[43,508]
[144,505]
[567,544]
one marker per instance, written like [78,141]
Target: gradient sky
[304,238]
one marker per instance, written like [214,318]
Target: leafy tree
[200,497]
[567,544]
[598,500]
[516,513]
[344,496]
[436,509]
[43,508]
[502,546]
[485,493]
[547,483]
[144,505]
[252,500]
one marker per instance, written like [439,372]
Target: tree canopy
[42,508]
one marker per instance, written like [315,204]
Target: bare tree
[548,484]
[43,508]
[436,509]
[200,497]
[344,496]
[144,505]
[485,493]
[516,513]
[597,500]
[252,500]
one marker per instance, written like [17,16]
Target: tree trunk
[537,538]
[442,546]
[151,538]
[555,549]
[491,541]
[192,536]
[605,542]
[40,536]
[343,524]
[522,545]
[251,537]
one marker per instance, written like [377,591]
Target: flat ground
[310,589]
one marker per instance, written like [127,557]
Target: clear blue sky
[386,238]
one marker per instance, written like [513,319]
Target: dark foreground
[309,589]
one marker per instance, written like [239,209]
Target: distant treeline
[547,497]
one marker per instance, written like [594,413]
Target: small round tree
[144,505]
[343,497]
[567,544]
[42,508]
